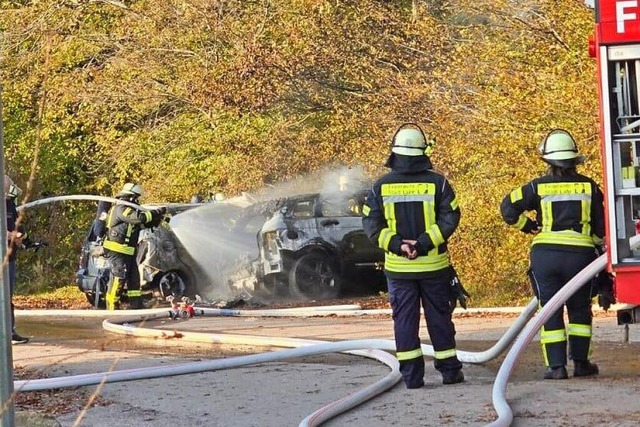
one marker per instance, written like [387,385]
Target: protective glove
[531,226]
[604,284]
[458,293]
[156,217]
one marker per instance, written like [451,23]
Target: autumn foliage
[194,96]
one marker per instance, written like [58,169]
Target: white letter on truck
[621,17]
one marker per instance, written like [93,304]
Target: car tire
[172,283]
[314,276]
[272,286]
[95,300]
[97,297]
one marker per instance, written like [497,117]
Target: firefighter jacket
[569,211]
[99,227]
[123,228]
[12,219]
[412,202]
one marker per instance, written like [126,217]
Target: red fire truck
[616,47]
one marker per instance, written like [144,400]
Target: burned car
[314,247]
[184,255]
[164,265]
[308,247]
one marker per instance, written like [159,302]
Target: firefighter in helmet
[15,240]
[568,226]
[123,228]
[410,213]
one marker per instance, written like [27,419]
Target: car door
[340,224]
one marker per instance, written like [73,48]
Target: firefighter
[16,237]
[99,226]
[123,228]
[568,226]
[410,213]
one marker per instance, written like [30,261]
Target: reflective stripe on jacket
[123,228]
[569,210]
[417,206]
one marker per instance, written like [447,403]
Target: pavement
[283,393]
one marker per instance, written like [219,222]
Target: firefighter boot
[584,368]
[556,373]
[419,384]
[452,377]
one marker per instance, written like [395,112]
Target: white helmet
[130,189]
[559,148]
[8,182]
[410,140]
[14,192]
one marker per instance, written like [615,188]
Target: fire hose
[367,348]
[371,348]
[77,197]
[505,415]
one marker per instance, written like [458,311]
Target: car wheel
[173,284]
[314,276]
[92,299]
[272,286]
[97,297]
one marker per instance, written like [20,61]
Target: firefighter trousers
[124,272]
[406,297]
[551,269]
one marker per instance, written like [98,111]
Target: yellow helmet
[131,190]
[559,149]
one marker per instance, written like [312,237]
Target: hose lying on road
[505,415]
[372,348]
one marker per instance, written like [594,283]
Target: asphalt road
[284,393]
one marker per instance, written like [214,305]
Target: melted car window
[303,209]
[340,206]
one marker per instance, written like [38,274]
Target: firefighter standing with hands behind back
[121,241]
[410,213]
[568,226]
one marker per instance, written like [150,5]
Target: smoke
[221,238]
[324,181]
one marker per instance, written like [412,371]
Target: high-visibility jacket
[123,228]
[569,211]
[412,203]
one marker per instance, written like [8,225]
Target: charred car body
[167,268]
[314,247]
[308,247]
[164,266]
